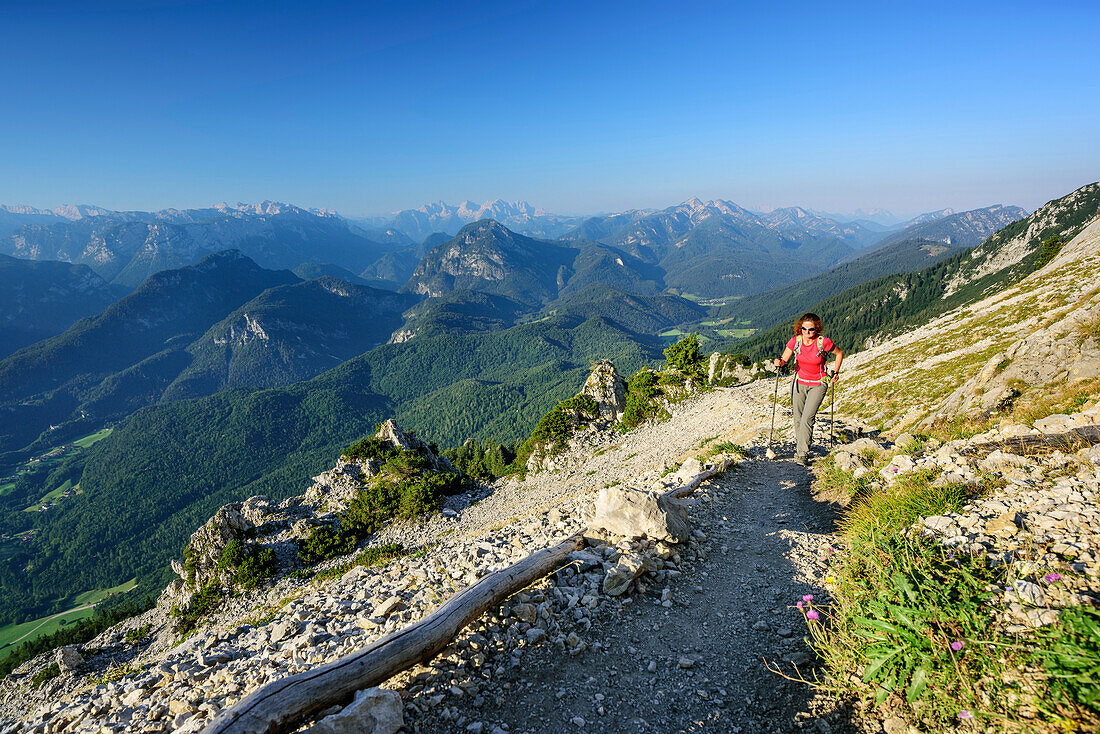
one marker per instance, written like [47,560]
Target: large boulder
[636,513]
[374,711]
[605,386]
[68,658]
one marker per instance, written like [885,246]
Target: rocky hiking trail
[693,655]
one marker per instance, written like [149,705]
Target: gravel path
[690,656]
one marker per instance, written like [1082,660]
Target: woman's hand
[779,362]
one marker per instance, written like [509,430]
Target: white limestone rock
[637,513]
[374,711]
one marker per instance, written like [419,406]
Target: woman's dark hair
[809,317]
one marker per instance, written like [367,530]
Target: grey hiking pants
[805,400]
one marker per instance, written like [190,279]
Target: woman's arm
[839,358]
[780,361]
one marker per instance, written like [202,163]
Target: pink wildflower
[798,604]
[1050,578]
[964,715]
[957,645]
[812,614]
[808,598]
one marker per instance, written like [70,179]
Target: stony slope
[1034,338]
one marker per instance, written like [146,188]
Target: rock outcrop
[728,369]
[390,433]
[205,548]
[607,388]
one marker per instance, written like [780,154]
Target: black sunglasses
[805,329]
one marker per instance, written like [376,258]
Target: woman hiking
[811,380]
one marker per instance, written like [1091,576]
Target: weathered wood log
[281,705]
[1046,443]
[686,489]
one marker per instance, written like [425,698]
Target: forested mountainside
[877,309]
[187,333]
[143,490]
[128,247]
[39,299]
[287,334]
[913,248]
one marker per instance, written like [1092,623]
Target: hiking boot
[803,460]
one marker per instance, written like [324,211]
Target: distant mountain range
[127,247]
[913,248]
[719,249]
[518,216]
[711,249]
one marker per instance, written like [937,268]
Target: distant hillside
[289,333]
[46,383]
[638,313]
[128,247]
[144,491]
[393,270]
[596,264]
[311,270]
[43,298]
[872,311]
[959,231]
[487,257]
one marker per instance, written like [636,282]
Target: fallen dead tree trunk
[282,704]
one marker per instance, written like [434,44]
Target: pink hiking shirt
[811,365]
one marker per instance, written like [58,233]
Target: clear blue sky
[575,106]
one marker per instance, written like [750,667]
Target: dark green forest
[165,470]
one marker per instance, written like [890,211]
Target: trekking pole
[771,433]
[832,412]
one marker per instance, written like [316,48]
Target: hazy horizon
[154,104]
[850,214]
